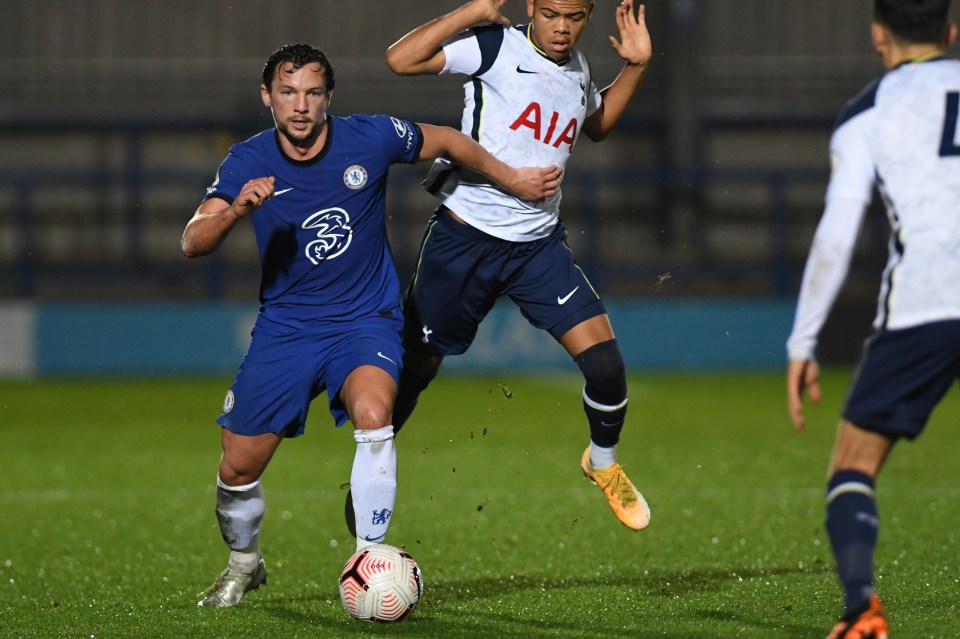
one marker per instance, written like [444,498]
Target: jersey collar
[319,156]
[929,57]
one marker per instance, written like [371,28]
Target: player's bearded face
[558,24]
[299,101]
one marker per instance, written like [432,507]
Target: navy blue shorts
[285,369]
[902,375]
[461,271]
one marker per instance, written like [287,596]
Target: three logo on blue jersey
[333,234]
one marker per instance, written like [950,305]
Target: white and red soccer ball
[380,583]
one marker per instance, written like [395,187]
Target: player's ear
[879,37]
[530,4]
[951,35]
[265,95]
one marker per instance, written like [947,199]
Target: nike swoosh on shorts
[379,354]
[563,300]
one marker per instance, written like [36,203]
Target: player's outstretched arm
[803,375]
[419,52]
[635,48]
[214,218]
[528,183]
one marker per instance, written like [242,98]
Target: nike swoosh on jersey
[379,354]
[276,193]
[563,300]
[521,70]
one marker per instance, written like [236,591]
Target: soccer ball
[380,583]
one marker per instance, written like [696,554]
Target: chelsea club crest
[355,177]
[228,402]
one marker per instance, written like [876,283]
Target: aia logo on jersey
[532,118]
[333,234]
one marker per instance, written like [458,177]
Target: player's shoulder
[865,100]
[930,74]
[254,151]
[363,129]
[904,81]
[255,145]
[372,123]
[486,37]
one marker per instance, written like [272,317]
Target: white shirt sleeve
[848,194]
[462,54]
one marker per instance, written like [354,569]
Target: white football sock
[602,457]
[373,482]
[240,511]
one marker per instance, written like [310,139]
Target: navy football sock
[853,525]
[408,395]
[604,392]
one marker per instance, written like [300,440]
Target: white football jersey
[902,135]
[526,110]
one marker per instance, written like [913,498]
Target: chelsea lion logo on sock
[355,177]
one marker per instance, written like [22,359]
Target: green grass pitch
[107,526]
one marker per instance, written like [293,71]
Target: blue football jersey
[322,236]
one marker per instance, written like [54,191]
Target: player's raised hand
[253,194]
[634,44]
[535,183]
[489,11]
[802,375]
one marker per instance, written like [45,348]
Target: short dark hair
[914,21]
[299,55]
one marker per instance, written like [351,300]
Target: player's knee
[860,450]
[371,414]
[235,473]
[604,373]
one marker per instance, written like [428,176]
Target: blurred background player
[529,95]
[900,134]
[314,188]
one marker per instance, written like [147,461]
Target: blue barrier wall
[141,338]
[182,339]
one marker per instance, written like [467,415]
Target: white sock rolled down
[373,483]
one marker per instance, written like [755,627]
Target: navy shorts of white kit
[461,271]
[902,376]
[285,368]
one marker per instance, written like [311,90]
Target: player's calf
[604,399]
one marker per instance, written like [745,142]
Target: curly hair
[299,55]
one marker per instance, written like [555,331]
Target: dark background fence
[116,115]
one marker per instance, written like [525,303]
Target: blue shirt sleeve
[230,178]
[402,139]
